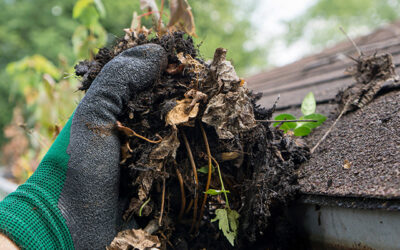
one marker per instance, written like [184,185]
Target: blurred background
[42,40]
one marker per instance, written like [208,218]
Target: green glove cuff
[30,215]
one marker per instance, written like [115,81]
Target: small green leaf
[204,169]
[284,127]
[89,16]
[216,192]
[302,131]
[289,125]
[79,7]
[308,106]
[319,117]
[228,222]
[100,8]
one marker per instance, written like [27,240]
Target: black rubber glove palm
[72,199]
[90,195]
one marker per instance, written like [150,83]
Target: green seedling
[216,192]
[204,169]
[228,219]
[308,107]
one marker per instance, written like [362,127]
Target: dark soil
[260,176]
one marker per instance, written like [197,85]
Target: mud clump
[199,117]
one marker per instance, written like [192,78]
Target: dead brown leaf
[167,147]
[174,69]
[223,71]
[370,73]
[182,113]
[145,181]
[125,152]
[134,239]
[151,6]
[190,63]
[181,14]
[347,164]
[196,97]
[228,156]
[230,114]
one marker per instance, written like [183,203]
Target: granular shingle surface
[368,138]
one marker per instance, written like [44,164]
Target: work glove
[71,201]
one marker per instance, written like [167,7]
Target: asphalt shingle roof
[368,138]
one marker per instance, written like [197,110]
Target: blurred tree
[45,27]
[36,37]
[320,23]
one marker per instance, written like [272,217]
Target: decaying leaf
[125,152]
[228,156]
[174,69]
[167,147]
[228,222]
[196,97]
[181,13]
[370,73]
[223,71]
[145,182]
[347,164]
[182,113]
[230,114]
[134,239]
[151,6]
[190,63]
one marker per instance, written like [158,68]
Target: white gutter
[332,226]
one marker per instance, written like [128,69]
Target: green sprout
[308,107]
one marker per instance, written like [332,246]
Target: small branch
[130,133]
[183,197]
[286,121]
[203,205]
[189,206]
[162,197]
[352,41]
[330,129]
[196,180]
[160,20]
[162,203]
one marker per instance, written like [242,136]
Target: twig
[162,202]
[129,132]
[183,197]
[286,121]
[189,206]
[166,239]
[330,129]
[203,205]
[159,20]
[352,41]
[222,183]
[196,180]
[150,13]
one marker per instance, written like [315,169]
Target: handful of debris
[194,160]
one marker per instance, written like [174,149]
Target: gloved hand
[71,201]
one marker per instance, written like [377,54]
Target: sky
[269,17]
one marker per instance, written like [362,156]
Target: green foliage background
[45,27]
[319,24]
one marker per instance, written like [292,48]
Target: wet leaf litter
[193,156]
